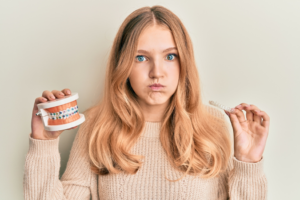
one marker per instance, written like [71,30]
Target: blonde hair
[190,135]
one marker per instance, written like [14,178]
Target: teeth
[214,103]
[64,114]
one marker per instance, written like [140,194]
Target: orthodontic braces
[64,114]
[214,103]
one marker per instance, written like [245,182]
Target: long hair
[192,137]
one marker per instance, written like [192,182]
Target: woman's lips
[156,88]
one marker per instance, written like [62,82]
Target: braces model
[214,103]
[63,114]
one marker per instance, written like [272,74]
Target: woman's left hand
[250,136]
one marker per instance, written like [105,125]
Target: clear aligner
[214,103]
[64,114]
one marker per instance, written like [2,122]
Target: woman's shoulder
[220,116]
[91,112]
[90,115]
[216,112]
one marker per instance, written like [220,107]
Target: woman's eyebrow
[168,49]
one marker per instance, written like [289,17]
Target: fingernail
[226,113]
[44,99]
[52,97]
[61,93]
[68,92]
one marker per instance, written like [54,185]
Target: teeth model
[214,103]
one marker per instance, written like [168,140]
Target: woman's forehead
[155,39]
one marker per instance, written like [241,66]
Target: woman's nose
[157,67]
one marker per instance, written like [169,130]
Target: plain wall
[246,52]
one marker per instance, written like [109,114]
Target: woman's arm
[41,172]
[242,180]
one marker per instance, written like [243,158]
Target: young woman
[151,136]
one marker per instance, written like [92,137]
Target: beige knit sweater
[241,181]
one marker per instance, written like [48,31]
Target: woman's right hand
[37,126]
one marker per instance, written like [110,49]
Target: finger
[47,94]
[241,105]
[66,91]
[249,113]
[235,123]
[266,119]
[239,114]
[245,106]
[256,117]
[37,101]
[58,94]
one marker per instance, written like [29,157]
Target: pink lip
[156,85]
[156,88]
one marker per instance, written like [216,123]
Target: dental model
[214,103]
[60,114]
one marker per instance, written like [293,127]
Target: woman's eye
[140,58]
[172,55]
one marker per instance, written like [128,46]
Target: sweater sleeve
[41,172]
[243,180]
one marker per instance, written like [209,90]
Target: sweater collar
[151,129]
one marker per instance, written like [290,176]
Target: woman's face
[156,61]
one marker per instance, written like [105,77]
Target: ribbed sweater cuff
[43,147]
[248,169]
